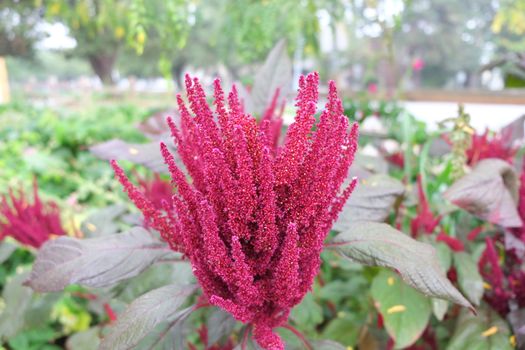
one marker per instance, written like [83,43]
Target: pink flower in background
[418,64]
[253,220]
[156,190]
[31,224]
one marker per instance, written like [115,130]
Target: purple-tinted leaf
[220,324]
[160,306]
[168,335]
[249,345]
[276,73]
[372,164]
[94,262]
[17,299]
[156,127]
[147,154]
[516,319]
[103,221]
[489,191]
[514,131]
[378,244]
[372,200]
[514,243]
[439,147]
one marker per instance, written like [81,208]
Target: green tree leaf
[405,311]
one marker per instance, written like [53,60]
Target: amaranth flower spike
[31,224]
[253,220]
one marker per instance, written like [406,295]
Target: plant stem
[299,335]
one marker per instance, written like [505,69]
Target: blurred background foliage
[457,44]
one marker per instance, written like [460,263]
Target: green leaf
[6,249]
[379,244]
[147,312]
[338,290]
[439,308]
[344,329]
[405,311]
[372,200]
[516,319]
[327,345]
[444,254]
[85,340]
[17,299]
[489,191]
[486,331]
[94,262]
[469,279]
[308,313]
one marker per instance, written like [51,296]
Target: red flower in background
[372,88]
[203,336]
[31,224]
[253,221]
[506,282]
[156,190]
[483,146]
[453,243]
[396,158]
[505,278]
[425,221]
[520,231]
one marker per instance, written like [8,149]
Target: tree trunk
[102,64]
[177,69]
